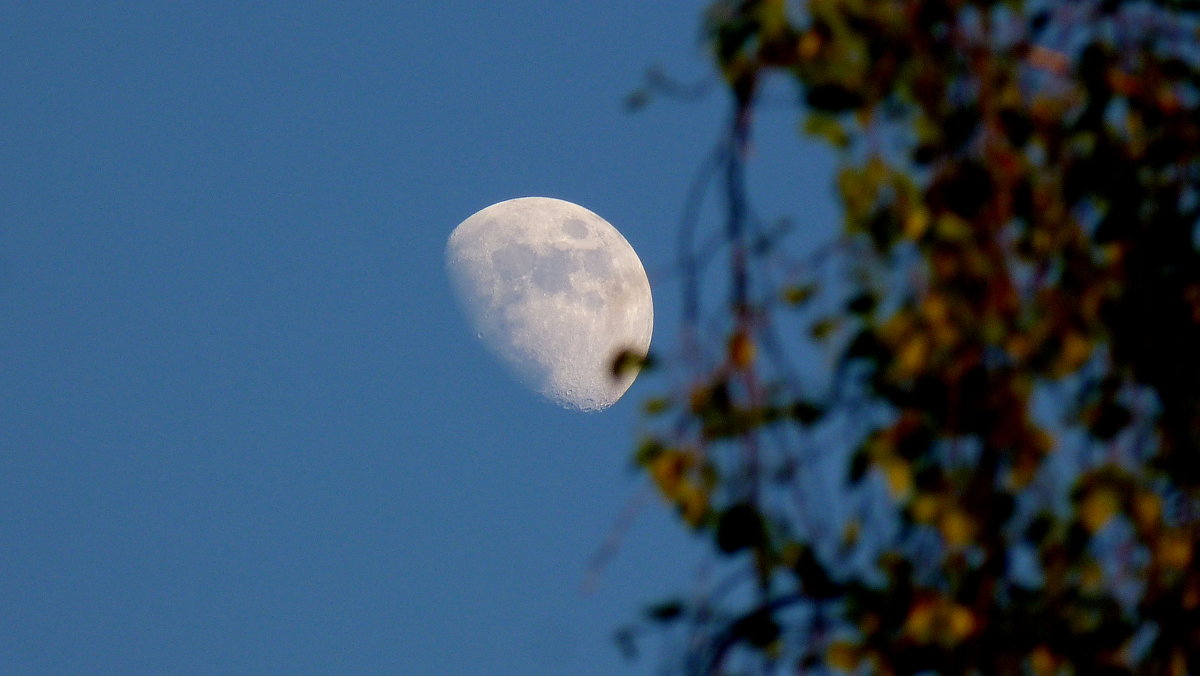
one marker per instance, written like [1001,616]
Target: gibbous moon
[557,293]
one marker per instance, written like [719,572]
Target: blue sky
[243,427]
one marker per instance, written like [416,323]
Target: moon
[556,293]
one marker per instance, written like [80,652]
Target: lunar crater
[576,228]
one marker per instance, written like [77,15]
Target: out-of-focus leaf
[827,127]
[960,126]
[806,413]
[649,449]
[862,303]
[758,628]
[739,527]
[1038,21]
[968,190]
[843,656]
[1147,511]
[859,463]
[957,527]
[814,579]
[898,475]
[1108,421]
[1017,125]
[833,98]
[1174,550]
[667,611]
[865,345]
[628,361]
[741,350]
[798,295]
[656,405]
[822,329]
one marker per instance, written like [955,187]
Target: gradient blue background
[243,427]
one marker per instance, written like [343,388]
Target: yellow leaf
[1147,510]
[741,350]
[912,355]
[1098,508]
[672,471]
[856,195]
[1179,663]
[843,656]
[1041,241]
[692,502]
[810,44]
[1043,662]
[1111,253]
[924,508]
[916,223]
[1174,550]
[961,622]
[957,528]
[850,533]
[1042,440]
[953,228]
[1076,349]
[939,619]
[899,477]
[797,295]
[935,308]
[876,172]
[919,623]
[668,469]
[945,334]
[828,128]
[1011,97]
[897,326]
[1019,347]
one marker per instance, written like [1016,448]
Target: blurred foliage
[1000,472]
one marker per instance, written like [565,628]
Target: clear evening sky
[243,427]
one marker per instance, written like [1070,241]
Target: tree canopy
[1000,471]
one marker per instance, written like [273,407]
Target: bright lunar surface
[557,293]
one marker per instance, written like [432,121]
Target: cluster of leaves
[1016,372]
